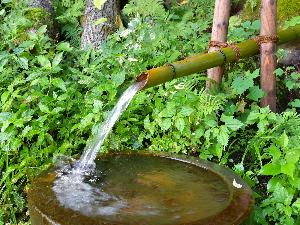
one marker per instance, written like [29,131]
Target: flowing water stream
[71,187]
[90,152]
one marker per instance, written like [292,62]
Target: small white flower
[152,36]
[132,59]
[136,47]
[125,33]
[235,184]
[179,86]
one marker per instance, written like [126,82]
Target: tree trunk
[43,14]
[219,34]
[267,56]
[94,35]
[44,4]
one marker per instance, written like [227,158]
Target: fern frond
[208,104]
[145,8]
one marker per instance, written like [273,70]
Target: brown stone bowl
[141,188]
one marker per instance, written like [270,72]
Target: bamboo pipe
[204,61]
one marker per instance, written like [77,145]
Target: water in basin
[132,189]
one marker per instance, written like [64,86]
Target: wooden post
[219,34]
[267,56]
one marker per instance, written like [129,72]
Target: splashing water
[70,186]
[90,152]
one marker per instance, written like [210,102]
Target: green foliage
[99,3]
[68,15]
[286,10]
[145,8]
[54,96]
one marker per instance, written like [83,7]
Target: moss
[286,9]
[39,17]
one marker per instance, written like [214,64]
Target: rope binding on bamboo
[219,44]
[261,39]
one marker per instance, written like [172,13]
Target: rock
[292,57]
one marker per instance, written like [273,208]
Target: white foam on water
[74,193]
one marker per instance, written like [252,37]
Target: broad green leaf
[119,78]
[58,82]
[98,106]
[295,103]
[166,124]
[5,96]
[5,116]
[223,136]
[231,123]
[23,62]
[275,152]
[255,93]
[283,140]
[101,20]
[44,108]
[272,183]
[290,84]
[186,111]
[42,29]
[241,84]
[271,169]
[148,125]
[174,56]
[252,117]
[44,61]
[99,3]
[295,76]
[3,62]
[281,195]
[218,149]
[180,124]
[279,72]
[86,121]
[262,125]
[64,46]
[292,155]
[296,204]
[57,59]
[199,132]
[211,123]
[252,75]
[288,169]
[169,111]
[2,12]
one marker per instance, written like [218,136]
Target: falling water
[71,187]
[91,149]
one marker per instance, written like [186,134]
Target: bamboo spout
[204,61]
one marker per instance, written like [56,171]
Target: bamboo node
[223,54]
[219,44]
[173,69]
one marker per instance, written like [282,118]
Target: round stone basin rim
[236,211]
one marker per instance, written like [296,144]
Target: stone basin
[140,188]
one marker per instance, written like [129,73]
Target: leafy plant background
[54,97]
